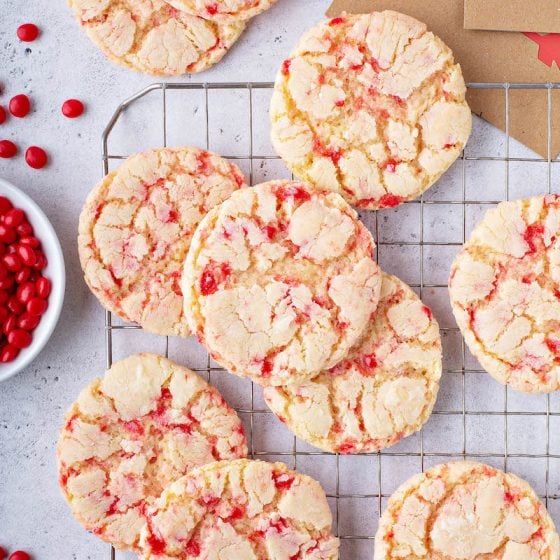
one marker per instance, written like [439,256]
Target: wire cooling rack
[475,418]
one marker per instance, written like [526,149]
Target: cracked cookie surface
[383,391]
[372,107]
[223,11]
[505,293]
[466,511]
[136,227]
[152,37]
[242,510]
[128,435]
[280,282]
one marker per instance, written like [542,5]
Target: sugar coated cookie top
[466,511]
[505,293]
[128,435]
[372,107]
[242,510]
[136,228]
[385,389]
[280,282]
[152,37]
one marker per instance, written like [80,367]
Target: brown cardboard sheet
[542,16]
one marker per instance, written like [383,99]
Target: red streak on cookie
[347,449]
[113,507]
[532,235]
[297,192]
[71,424]
[391,165]
[157,545]
[237,513]
[270,231]
[428,312]
[375,65]
[267,368]
[336,21]
[212,277]
[283,480]
[135,427]
[538,534]
[331,153]
[340,103]
[509,497]
[63,480]
[369,362]
[553,346]
[193,548]
[390,201]
[286,67]
[212,9]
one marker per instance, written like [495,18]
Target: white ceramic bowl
[54,272]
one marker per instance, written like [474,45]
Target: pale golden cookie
[151,36]
[136,228]
[385,390]
[372,107]
[505,293]
[223,11]
[144,425]
[280,282]
[466,511]
[241,510]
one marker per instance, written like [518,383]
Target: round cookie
[466,511]
[372,107]
[223,11]
[385,390]
[280,282]
[152,37]
[136,227]
[505,293]
[242,510]
[128,435]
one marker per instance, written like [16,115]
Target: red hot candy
[20,106]
[72,108]
[27,32]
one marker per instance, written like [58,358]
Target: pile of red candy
[20,105]
[24,291]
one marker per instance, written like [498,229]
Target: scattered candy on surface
[2,121]
[36,157]
[20,106]
[72,108]
[27,32]
[19,555]
[24,291]
[7,149]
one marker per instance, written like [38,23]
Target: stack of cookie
[165,37]
[152,459]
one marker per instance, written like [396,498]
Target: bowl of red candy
[32,280]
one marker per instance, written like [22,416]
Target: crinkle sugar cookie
[385,389]
[466,511]
[505,293]
[372,107]
[136,228]
[241,510]
[223,11]
[280,282]
[144,425]
[151,36]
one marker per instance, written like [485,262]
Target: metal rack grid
[463,412]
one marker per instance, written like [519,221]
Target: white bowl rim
[51,245]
